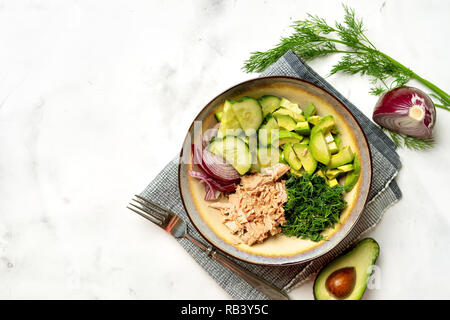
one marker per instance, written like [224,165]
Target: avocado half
[345,278]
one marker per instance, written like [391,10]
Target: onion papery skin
[406,110]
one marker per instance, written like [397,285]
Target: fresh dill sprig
[312,207]
[402,140]
[314,37]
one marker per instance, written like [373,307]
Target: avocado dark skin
[345,278]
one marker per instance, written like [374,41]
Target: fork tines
[149,210]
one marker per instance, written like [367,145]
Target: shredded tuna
[255,211]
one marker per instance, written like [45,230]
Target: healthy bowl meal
[275,171]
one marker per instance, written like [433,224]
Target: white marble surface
[95,98]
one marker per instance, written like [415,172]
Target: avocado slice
[341,158]
[295,110]
[304,154]
[291,157]
[314,119]
[333,147]
[332,173]
[346,168]
[352,177]
[286,122]
[305,141]
[325,124]
[319,148]
[345,278]
[333,182]
[285,136]
[309,111]
[302,128]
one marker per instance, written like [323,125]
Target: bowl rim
[282,263]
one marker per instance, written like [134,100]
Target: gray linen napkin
[384,192]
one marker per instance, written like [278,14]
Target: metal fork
[177,227]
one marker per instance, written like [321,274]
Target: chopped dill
[312,207]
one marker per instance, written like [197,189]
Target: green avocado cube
[302,128]
[309,111]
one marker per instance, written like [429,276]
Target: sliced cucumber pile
[258,133]
[235,151]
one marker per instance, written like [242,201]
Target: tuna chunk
[255,211]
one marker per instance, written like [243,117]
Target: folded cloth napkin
[384,192]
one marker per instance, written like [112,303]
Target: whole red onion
[406,110]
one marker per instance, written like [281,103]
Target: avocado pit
[341,282]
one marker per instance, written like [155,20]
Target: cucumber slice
[286,122]
[249,114]
[267,130]
[229,124]
[235,151]
[291,157]
[304,154]
[269,104]
[268,156]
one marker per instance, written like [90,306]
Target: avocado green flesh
[304,154]
[286,137]
[286,122]
[319,148]
[310,110]
[291,157]
[353,176]
[325,124]
[362,257]
[341,158]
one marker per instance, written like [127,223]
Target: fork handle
[258,283]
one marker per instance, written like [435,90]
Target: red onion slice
[219,168]
[214,165]
[213,184]
[406,110]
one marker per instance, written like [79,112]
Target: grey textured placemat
[383,193]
